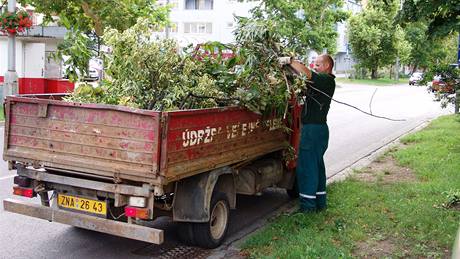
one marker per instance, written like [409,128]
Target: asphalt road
[353,135]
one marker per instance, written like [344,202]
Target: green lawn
[377,82]
[380,218]
[2,116]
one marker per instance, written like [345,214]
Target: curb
[366,160]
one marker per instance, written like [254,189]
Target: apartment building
[198,21]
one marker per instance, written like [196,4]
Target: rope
[354,107]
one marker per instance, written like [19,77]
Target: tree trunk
[374,73]
[96,19]
[414,69]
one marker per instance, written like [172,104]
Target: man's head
[324,64]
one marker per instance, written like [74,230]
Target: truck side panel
[103,140]
[196,141]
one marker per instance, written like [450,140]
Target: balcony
[46,31]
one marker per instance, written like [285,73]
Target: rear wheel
[212,233]
[185,233]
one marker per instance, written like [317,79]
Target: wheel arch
[193,195]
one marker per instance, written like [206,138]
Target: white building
[37,71]
[198,21]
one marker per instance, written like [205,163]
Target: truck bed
[123,143]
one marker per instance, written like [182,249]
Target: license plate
[82,204]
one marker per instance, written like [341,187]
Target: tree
[441,16]
[374,40]
[87,20]
[88,15]
[304,24]
[427,51]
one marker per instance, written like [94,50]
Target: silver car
[415,78]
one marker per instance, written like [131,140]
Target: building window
[198,27]
[199,4]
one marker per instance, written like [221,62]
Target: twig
[370,102]
[289,91]
[4,2]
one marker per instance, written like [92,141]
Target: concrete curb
[366,160]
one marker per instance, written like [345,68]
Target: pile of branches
[151,73]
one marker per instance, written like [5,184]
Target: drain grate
[174,251]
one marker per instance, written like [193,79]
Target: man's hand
[282,61]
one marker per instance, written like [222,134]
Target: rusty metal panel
[196,141]
[107,140]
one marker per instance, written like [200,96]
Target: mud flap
[193,195]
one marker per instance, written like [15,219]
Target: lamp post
[457,92]
[10,86]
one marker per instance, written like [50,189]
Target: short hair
[328,59]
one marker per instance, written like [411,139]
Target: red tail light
[134,212]
[26,192]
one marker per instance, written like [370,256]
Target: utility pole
[457,92]
[167,27]
[10,86]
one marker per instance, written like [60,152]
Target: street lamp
[10,86]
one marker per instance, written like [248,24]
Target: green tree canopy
[304,24]
[87,20]
[374,40]
[428,51]
[89,15]
[443,17]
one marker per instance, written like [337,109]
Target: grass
[376,82]
[377,219]
[2,116]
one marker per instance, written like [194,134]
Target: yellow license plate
[82,204]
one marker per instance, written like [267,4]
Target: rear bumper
[112,227]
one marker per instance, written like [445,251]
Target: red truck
[112,168]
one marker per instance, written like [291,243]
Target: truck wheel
[185,233]
[294,192]
[212,233]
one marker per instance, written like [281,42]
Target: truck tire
[185,233]
[294,192]
[212,233]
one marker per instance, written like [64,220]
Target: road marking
[6,177]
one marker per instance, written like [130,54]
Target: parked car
[415,78]
[439,85]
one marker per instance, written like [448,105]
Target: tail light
[141,213]
[26,192]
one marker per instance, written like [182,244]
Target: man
[311,172]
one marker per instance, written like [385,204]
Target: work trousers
[311,172]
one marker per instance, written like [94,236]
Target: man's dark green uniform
[311,172]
